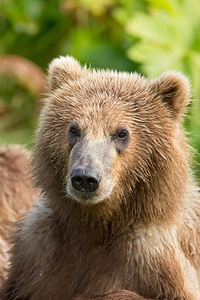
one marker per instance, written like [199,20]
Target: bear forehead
[103,90]
[109,81]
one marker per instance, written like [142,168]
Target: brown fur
[16,195]
[138,234]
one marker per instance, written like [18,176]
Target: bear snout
[85,180]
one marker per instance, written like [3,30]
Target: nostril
[91,181]
[93,184]
[77,180]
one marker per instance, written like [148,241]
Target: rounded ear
[62,69]
[174,91]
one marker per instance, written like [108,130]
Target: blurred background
[147,36]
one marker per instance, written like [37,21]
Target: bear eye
[121,139]
[122,134]
[73,134]
[74,130]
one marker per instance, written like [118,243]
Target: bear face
[112,139]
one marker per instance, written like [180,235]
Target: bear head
[112,139]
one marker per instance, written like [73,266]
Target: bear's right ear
[62,69]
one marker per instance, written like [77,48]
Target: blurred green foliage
[169,38]
[148,36]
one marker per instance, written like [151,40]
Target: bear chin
[91,198]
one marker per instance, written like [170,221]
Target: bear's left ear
[62,69]
[174,91]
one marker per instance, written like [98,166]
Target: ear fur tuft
[174,90]
[61,69]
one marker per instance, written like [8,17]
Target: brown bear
[119,215]
[16,195]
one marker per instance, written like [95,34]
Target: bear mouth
[88,198]
[85,198]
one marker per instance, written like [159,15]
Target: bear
[119,211]
[16,195]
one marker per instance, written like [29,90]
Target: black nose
[85,180]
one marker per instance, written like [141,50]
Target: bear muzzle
[89,178]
